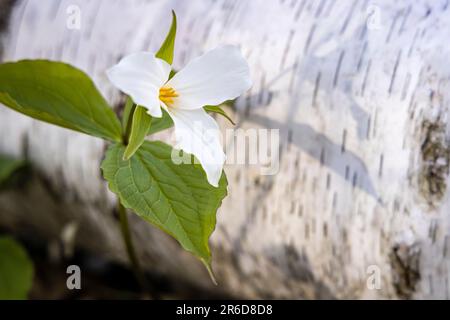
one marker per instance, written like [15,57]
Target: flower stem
[125,228]
[130,108]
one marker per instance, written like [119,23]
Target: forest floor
[100,278]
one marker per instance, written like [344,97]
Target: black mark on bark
[404,260]
[435,162]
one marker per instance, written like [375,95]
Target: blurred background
[351,202]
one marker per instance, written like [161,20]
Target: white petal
[197,133]
[218,75]
[141,75]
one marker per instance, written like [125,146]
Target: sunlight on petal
[140,75]
[197,133]
[218,75]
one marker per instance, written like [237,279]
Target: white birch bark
[360,93]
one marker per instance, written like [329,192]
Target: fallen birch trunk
[360,206]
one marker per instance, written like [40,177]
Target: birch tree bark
[360,92]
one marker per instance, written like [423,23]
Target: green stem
[123,216]
[125,228]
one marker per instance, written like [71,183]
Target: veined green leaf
[175,198]
[60,94]
[8,166]
[218,110]
[139,127]
[159,124]
[16,270]
[168,46]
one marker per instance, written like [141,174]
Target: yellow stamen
[167,95]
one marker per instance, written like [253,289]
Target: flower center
[167,95]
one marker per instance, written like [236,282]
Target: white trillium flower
[219,75]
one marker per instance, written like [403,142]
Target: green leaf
[8,166]
[141,124]
[219,110]
[167,48]
[159,124]
[16,270]
[175,198]
[60,94]
[172,73]
[166,53]
[127,112]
